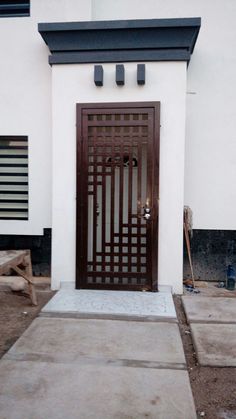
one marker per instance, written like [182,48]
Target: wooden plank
[139,207]
[9,258]
[119,286]
[117,123]
[112,198]
[103,209]
[94,227]
[13,259]
[118,274]
[121,197]
[117,264]
[130,197]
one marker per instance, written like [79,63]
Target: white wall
[210,164]
[210,169]
[166,82]
[25,100]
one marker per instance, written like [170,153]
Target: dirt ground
[214,389]
[16,314]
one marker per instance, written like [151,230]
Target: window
[14,8]
[13,178]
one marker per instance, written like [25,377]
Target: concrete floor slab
[112,304]
[67,340]
[42,390]
[215,344]
[209,309]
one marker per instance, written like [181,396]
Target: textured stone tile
[113,304]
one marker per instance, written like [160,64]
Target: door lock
[147,213]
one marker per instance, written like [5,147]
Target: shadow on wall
[212,251]
[40,247]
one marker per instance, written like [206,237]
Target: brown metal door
[117,196]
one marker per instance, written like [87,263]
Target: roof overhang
[121,40]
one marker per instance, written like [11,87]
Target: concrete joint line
[131,363]
[97,316]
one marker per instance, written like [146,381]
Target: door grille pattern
[117,174]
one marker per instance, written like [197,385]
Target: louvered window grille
[13,178]
[14,8]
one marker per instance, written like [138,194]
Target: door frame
[81,225]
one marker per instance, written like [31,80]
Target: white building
[131,117]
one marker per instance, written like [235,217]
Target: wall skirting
[212,251]
[40,247]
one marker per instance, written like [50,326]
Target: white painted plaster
[71,84]
[210,163]
[25,100]
[26,109]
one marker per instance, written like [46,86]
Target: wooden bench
[20,262]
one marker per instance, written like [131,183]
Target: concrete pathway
[96,368]
[213,326]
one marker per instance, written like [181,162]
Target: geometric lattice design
[117,161]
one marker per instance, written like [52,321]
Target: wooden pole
[186,233]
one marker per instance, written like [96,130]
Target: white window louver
[13,178]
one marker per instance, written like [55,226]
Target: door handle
[147,213]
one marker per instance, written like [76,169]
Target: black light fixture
[98,75]
[120,75]
[141,74]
